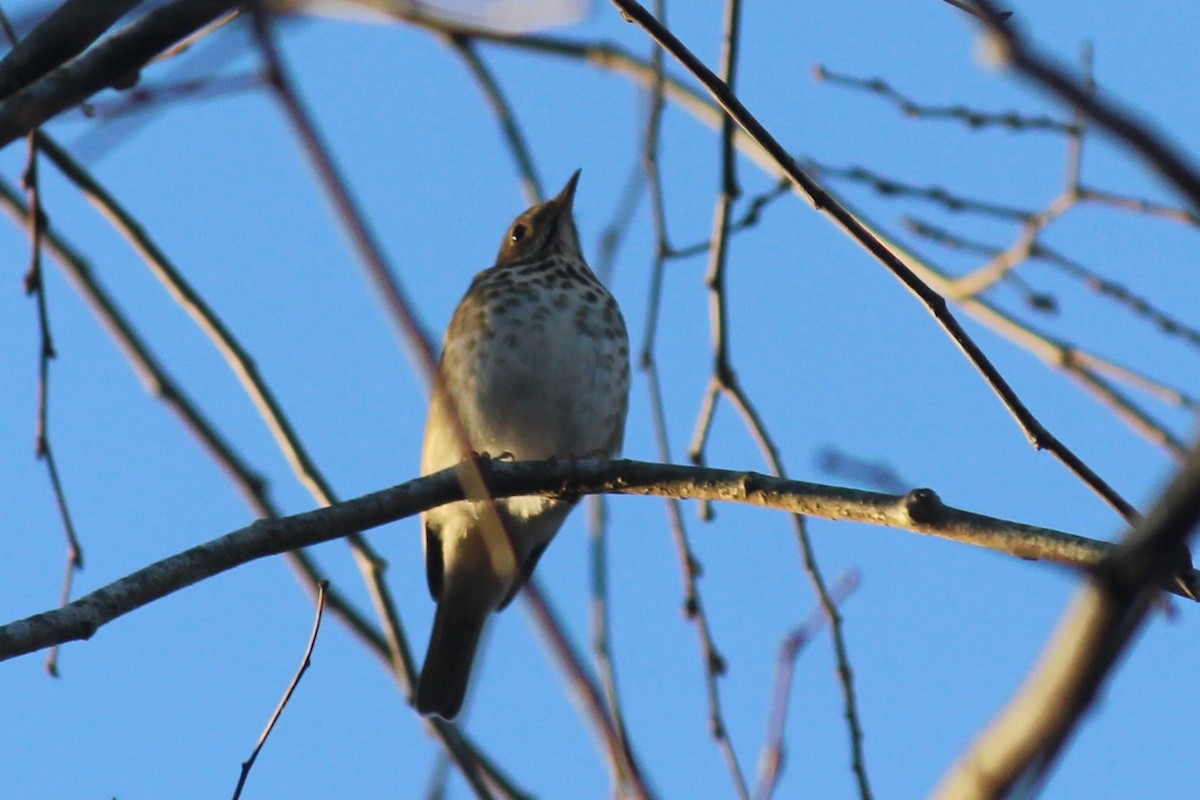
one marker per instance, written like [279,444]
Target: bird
[534,366]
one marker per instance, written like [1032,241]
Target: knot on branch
[923,506]
[717,664]
[751,483]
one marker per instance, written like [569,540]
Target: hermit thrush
[535,364]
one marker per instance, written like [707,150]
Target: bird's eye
[519,231]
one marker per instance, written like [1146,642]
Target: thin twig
[1168,394]
[188,89]
[613,233]
[623,764]
[714,663]
[748,219]
[1080,365]
[858,759]
[714,280]
[891,187]
[1005,261]
[770,762]
[35,285]
[1033,250]
[1166,323]
[601,628]
[530,185]
[1138,205]
[305,662]
[1028,245]
[970,117]
[116,120]
[1075,139]
[412,335]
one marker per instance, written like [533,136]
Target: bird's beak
[566,198]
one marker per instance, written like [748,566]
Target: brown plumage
[536,359]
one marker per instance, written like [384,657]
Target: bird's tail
[443,682]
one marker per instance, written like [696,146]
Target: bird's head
[544,230]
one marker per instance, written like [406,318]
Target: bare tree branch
[114,62]
[920,511]
[64,34]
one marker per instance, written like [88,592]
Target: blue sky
[169,700]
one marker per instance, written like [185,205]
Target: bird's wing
[433,560]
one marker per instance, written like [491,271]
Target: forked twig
[1038,435]
[970,117]
[770,763]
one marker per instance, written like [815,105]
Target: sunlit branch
[919,511]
